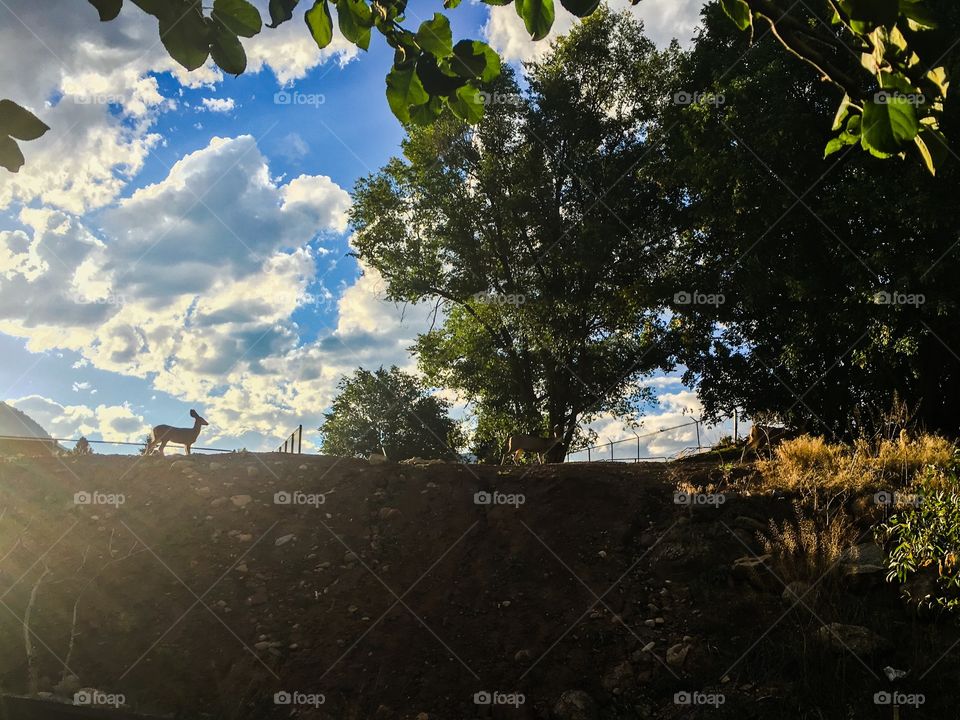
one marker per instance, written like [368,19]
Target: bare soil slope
[403,594]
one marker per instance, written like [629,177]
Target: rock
[575,705]
[243,537]
[863,566]
[218,502]
[284,539]
[798,592]
[750,524]
[259,597]
[377,459]
[423,716]
[618,678]
[859,640]
[522,656]
[241,500]
[677,655]
[865,553]
[67,686]
[203,491]
[752,569]
[389,513]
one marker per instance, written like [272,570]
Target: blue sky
[179,240]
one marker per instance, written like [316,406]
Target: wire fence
[53,442]
[609,451]
[294,443]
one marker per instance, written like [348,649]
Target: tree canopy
[538,233]
[389,412]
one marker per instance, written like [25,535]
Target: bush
[814,467]
[924,543]
[808,546]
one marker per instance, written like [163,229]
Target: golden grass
[812,466]
[809,545]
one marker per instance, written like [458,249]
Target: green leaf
[739,12]
[404,89]
[475,60]
[450,4]
[108,9]
[933,148]
[537,16]
[434,36]
[887,126]
[186,38]
[865,15]
[10,156]
[227,52]
[19,122]
[918,14]
[281,11]
[842,112]
[238,16]
[497,3]
[435,80]
[581,8]
[355,20]
[157,8]
[320,23]
[467,104]
[427,113]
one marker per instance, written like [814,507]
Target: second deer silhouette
[162,434]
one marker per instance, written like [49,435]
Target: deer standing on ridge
[518,444]
[162,434]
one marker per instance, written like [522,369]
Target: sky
[179,240]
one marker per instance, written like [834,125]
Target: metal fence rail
[49,440]
[294,443]
[598,453]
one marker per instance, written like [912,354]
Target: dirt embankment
[225,586]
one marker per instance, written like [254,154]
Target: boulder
[856,639]
[575,705]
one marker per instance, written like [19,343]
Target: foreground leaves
[16,123]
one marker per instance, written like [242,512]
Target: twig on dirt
[33,675]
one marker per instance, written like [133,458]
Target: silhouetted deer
[162,434]
[766,436]
[516,445]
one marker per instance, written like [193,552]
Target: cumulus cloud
[664,20]
[110,422]
[219,105]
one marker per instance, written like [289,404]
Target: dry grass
[806,547]
[816,468]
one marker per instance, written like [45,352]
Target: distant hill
[16,422]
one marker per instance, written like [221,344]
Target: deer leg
[163,445]
[187,448]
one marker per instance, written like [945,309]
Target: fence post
[736,435]
[698,434]
[588,455]
[611,450]
[300,440]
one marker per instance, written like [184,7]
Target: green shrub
[923,539]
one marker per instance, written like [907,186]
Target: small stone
[575,705]
[389,513]
[284,539]
[522,656]
[241,500]
[377,459]
[618,678]
[677,655]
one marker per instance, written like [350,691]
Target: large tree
[838,273]
[538,233]
[389,412]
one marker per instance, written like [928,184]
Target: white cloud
[219,105]
[664,20]
[108,422]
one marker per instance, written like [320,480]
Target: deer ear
[193,413]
